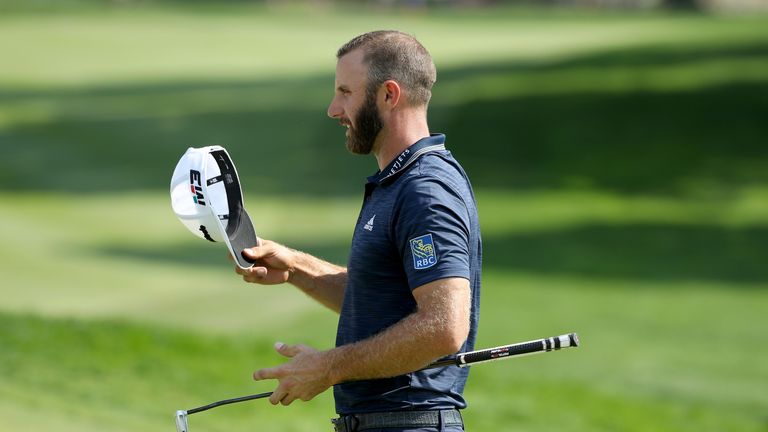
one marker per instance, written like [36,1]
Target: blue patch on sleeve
[423,251]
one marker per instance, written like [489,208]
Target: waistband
[394,419]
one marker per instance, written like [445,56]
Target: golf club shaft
[461,360]
[229,401]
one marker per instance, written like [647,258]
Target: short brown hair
[394,55]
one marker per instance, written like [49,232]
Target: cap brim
[239,232]
[239,235]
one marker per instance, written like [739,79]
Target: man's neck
[393,141]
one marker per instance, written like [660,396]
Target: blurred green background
[620,162]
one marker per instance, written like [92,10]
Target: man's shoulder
[433,164]
[435,170]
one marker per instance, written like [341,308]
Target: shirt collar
[434,142]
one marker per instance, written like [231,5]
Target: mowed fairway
[621,171]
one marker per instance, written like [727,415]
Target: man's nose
[334,109]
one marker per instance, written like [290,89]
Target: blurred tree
[682,4]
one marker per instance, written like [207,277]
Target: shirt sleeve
[431,229]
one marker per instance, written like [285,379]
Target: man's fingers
[296,378]
[242,272]
[288,350]
[277,395]
[252,274]
[267,373]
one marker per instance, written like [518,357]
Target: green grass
[662,350]
[573,101]
[620,168]
[660,357]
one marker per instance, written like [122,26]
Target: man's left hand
[304,377]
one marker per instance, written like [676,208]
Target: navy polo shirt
[418,224]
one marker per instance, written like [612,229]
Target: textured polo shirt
[418,224]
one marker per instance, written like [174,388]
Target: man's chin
[357,148]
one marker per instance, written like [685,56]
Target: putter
[461,360]
[182,424]
[181,421]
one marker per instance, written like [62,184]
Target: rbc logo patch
[423,251]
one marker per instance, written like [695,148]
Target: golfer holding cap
[411,289]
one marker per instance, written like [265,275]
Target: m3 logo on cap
[196,187]
[423,251]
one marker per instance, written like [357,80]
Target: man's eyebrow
[342,88]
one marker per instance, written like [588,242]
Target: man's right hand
[273,263]
[276,264]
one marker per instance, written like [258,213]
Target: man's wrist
[334,365]
[293,264]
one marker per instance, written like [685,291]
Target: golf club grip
[507,351]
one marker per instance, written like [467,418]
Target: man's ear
[392,93]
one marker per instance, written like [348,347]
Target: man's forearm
[409,345]
[321,280]
[405,347]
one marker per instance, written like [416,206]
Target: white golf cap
[206,197]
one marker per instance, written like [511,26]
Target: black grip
[495,353]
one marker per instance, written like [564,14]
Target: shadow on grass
[636,57]
[277,131]
[208,255]
[639,252]
[663,143]
[642,252]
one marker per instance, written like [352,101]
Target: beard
[368,124]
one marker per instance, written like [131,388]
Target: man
[410,293]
